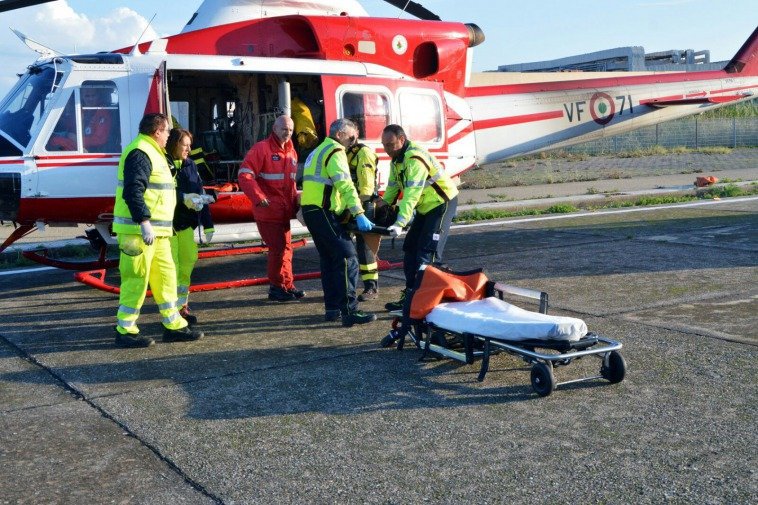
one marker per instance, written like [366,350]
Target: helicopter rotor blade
[10,5]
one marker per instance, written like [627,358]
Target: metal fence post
[696,139]
[734,132]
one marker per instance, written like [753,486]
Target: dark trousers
[339,265]
[426,239]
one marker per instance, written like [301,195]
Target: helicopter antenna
[135,49]
[407,3]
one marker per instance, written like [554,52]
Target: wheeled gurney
[464,316]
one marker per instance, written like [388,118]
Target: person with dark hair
[267,177]
[428,192]
[191,211]
[329,199]
[142,220]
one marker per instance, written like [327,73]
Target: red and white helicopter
[237,64]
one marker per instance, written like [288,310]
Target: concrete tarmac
[275,405]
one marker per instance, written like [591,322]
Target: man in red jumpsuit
[267,176]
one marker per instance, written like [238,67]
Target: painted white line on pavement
[26,270]
[603,212]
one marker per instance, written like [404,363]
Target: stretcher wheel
[615,370]
[543,380]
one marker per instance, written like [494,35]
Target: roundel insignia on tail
[602,108]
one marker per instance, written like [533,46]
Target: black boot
[181,335]
[398,305]
[185,313]
[277,294]
[135,340]
[357,317]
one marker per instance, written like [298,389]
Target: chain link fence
[692,132]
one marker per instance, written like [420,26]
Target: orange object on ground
[708,180]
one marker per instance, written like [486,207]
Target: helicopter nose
[10,195]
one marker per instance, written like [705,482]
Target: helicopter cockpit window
[101,132]
[64,137]
[28,102]
[421,116]
[97,122]
[369,110]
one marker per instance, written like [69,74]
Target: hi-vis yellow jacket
[160,195]
[363,161]
[423,181]
[326,180]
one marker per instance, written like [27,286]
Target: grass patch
[665,151]
[728,191]
[488,214]
[738,110]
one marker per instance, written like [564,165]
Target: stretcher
[464,316]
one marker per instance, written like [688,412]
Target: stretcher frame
[474,346]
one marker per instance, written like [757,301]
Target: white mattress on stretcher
[495,318]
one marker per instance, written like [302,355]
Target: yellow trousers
[184,252]
[142,265]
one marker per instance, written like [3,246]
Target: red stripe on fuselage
[76,156]
[64,210]
[79,164]
[484,124]
[458,136]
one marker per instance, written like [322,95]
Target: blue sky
[516,31]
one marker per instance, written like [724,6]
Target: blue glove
[363,222]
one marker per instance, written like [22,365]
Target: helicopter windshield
[26,105]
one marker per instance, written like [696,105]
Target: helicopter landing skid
[41,256]
[96,279]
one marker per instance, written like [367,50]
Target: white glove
[395,231]
[148,235]
[208,235]
[193,201]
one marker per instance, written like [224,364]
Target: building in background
[623,59]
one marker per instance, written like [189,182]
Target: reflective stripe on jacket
[326,180]
[159,196]
[422,180]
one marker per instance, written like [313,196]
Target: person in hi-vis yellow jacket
[142,220]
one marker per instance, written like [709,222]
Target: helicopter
[237,65]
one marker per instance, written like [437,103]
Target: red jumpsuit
[268,172]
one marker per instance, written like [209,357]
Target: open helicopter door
[157,98]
